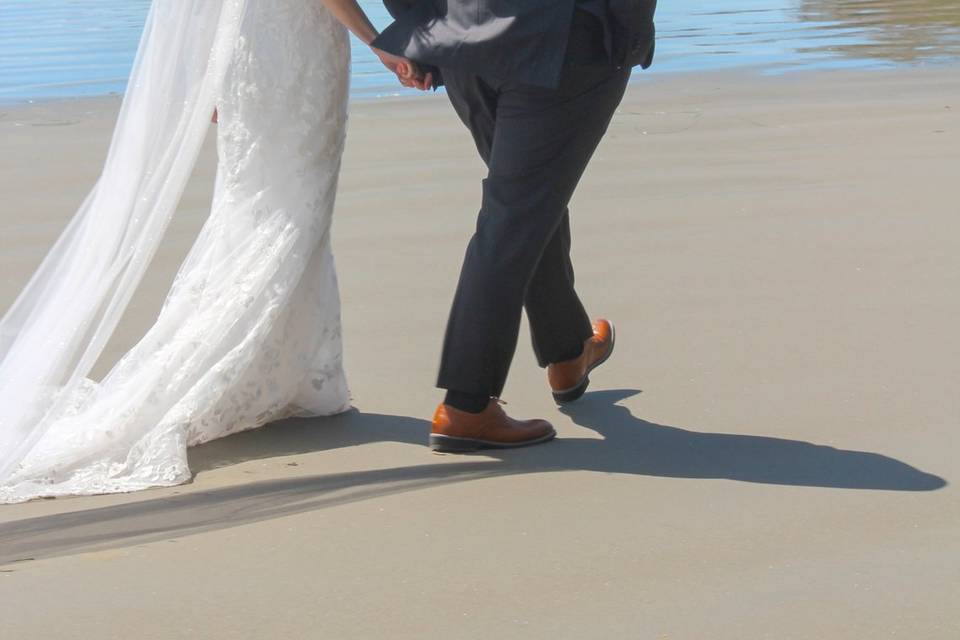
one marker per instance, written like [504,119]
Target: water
[777,36]
[67,48]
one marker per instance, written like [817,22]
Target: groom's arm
[410,19]
[398,8]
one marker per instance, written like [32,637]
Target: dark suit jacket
[518,40]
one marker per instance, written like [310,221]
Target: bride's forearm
[350,15]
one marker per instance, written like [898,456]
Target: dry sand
[771,453]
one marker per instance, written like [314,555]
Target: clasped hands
[407,71]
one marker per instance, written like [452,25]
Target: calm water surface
[64,48]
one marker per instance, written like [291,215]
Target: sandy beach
[770,454]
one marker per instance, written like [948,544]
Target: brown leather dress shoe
[569,380]
[456,431]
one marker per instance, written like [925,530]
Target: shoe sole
[453,444]
[576,392]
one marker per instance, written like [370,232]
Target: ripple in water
[65,48]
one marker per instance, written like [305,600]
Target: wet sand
[771,453]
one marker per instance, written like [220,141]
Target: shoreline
[758,72]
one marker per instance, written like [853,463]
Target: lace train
[250,331]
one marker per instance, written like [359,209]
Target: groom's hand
[407,71]
[416,79]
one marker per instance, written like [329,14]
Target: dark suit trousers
[536,144]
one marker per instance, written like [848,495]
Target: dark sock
[469,402]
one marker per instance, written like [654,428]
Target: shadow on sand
[629,446]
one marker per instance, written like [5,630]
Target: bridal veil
[57,328]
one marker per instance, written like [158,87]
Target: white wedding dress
[250,331]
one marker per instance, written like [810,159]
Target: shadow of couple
[629,445]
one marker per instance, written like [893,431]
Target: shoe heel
[561,397]
[449,444]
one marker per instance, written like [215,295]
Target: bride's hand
[408,72]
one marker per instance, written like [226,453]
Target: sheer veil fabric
[250,331]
